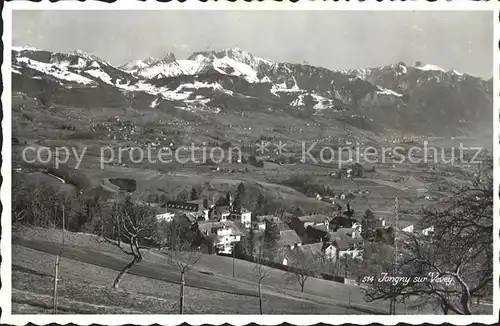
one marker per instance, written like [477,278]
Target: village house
[267,218]
[320,233]
[166,216]
[204,207]
[357,227]
[300,224]
[346,245]
[288,237]
[244,216]
[328,199]
[221,236]
[316,233]
[406,226]
[318,251]
[428,231]
[195,208]
[221,213]
[344,222]
[339,246]
[259,225]
[352,232]
[183,219]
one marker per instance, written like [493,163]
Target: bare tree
[260,270]
[460,250]
[325,262]
[182,248]
[39,205]
[19,201]
[130,228]
[302,267]
[33,204]
[56,265]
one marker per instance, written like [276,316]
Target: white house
[226,234]
[346,246]
[226,237]
[167,216]
[330,251]
[408,228]
[357,227]
[244,216]
[428,231]
[353,253]
[259,225]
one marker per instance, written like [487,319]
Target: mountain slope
[421,99]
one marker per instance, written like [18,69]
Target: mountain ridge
[396,97]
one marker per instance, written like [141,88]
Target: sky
[332,39]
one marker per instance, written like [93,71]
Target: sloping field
[152,286]
[151,182]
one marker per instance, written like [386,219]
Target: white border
[5,291]
[496,161]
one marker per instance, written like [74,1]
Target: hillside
[89,267]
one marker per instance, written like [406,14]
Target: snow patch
[49,69]
[98,73]
[154,103]
[321,102]
[429,67]
[80,64]
[266,79]
[241,69]
[170,69]
[385,91]
[25,48]
[456,72]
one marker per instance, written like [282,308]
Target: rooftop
[343,241]
[181,206]
[312,249]
[345,230]
[223,209]
[403,224]
[289,237]
[244,210]
[207,226]
[283,227]
[316,218]
[322,228]
[198,202]
[267,217]
[344,220]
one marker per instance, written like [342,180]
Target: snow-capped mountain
[402,78]
[419,98]
[134,65]
[76,67]
[235,62]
